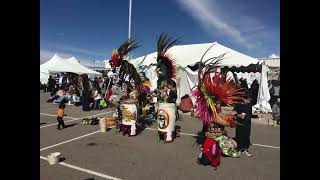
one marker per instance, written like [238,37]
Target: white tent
[44,68]
[58,64]
[72,66]
[44,77]
[188,55]
[263,94]
[55,60]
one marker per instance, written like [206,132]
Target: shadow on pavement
[62,159]
[70,125]
[140,128]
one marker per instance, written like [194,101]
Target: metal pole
[130,6]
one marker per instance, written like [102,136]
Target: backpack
[186,104]
[211,153]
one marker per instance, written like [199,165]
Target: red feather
[115,58]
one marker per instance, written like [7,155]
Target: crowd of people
[73,89]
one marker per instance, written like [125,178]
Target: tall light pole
[129,30]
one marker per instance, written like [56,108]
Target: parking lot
[88,154]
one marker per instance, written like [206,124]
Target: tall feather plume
[164,43]
[127,46]
[211,89]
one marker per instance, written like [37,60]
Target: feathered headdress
[118,54]
[210,90]
[165,63]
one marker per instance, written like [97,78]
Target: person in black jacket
[86,92]
[51,84]
[254,90]
[243,114]
[243,129]
[172,92]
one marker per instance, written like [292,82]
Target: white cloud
[228,21]
[45,55]
[274,56]
[75,49]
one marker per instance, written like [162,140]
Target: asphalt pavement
[88,154]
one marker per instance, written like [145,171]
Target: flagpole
[129,30]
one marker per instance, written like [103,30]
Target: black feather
[164,43]
[127,46]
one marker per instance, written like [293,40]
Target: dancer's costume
[166,71]
[208,93]
[127,77]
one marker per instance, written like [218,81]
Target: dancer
[166,72]
[210,93]
[126,88]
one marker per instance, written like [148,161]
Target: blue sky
[90,29]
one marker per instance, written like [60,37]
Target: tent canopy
[59,64]
[44,77]
[73,65]
[189,55]
[55,60]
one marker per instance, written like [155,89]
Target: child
[97,97]
[60,115]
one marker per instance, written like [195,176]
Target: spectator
[44,87]
[172,92]
[276,113]
[243,129]
[100,83]
[51,84]
[60,80]
[62,96]
[254,90]
[243,114]
[97,97]
[76,97]
[85,92]
[274,92]
[71,94]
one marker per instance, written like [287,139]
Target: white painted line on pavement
[73,119]
[84,170]
[56,116]
[194,135]
[262,145]
[69,140]
[57,123]
[97,114]
[188,134]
